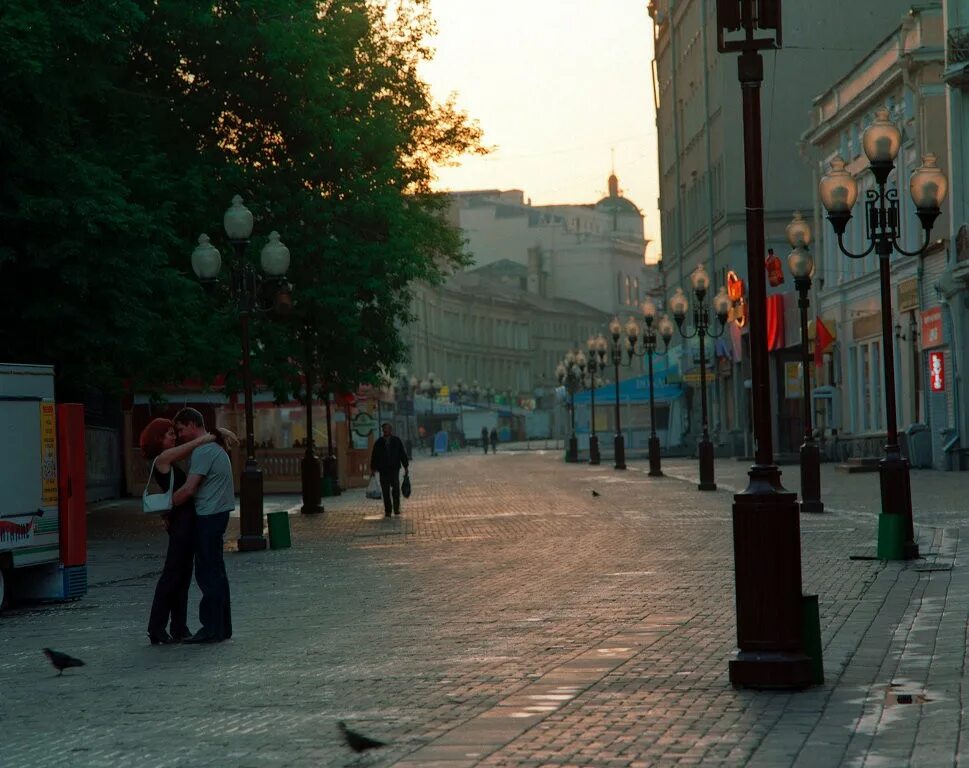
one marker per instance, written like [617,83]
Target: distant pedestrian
[484,440]
[494,440]
[210,483]
[387,458]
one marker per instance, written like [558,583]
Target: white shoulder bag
[157,503]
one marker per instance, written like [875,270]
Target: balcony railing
[957,46]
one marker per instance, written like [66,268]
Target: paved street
[509,618]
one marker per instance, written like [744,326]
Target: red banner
[775,321]
[822,340]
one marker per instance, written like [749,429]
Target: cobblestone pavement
[508,618]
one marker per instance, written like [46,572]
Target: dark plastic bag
[405,487]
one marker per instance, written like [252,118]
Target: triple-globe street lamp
[598,348]
[430,388]
[679,305]
[839,191]
[802,267]
[648,349]
[251,292]
[404,388]
[568,374]
[618,441]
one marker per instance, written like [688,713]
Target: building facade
[903,73]
[701,164]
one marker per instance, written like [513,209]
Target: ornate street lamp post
[460,390]
[251,292]
[839,190]
[567,373]
[802,267]
[618,442]
[404,400]
[766,524]
[429,388]
[598,348]
[310,475]
[665,327]
[701,329]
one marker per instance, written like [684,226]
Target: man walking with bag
[387,458]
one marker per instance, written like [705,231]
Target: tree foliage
[126,127]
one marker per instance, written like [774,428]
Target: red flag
[822,340]
[775,321]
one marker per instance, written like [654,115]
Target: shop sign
[936,372]
[364,423]
[48,455]
[932,328]
[793,381]
[908,295]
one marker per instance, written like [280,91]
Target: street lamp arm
[713,335]
[693,335]
[918,251]
[849,254]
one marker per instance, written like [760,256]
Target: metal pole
[619,442]
[594,457]
[251,536]
[766,526]
[310,469]
[705,448]
[654,459]
[810,454]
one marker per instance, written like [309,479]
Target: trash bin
[917,445]
[279,530]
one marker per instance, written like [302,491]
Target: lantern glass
[928,184]
[237,220]
[679,304]
[700,279]
[666,328]
[590,344]
[615,328]
[882,138]
[838,188]
[632,330]
[649,311]
[274,257]
[602,345]
[800,262]
[721,304]
[206,260]
[798,232]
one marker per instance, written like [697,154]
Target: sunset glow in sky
[556,85]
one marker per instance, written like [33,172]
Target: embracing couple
[202,500]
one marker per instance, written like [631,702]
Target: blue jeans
[215,614]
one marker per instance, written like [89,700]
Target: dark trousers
[171,592]
[390,483]
[215,613]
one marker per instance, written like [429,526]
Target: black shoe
[397,512]
[160,638]
[386,514]
[181,634]
[201,637]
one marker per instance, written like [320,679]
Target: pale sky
[556,86]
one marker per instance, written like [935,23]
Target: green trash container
[326,489]
[279,530]
[891,537]
[811,638]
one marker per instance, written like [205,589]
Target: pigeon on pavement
[357,741]
[596,494]
[61,661]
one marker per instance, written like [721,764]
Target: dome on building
[614,203]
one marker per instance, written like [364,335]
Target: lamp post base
[896,534]
[654,465]
[705,449]
[811,478]
[572,452]
[767,566]
[311,483]
[251,538]
[619,446]
[594,457]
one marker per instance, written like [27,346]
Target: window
[627,290]
[865,386]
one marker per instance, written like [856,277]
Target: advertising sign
[48,455]
[932,328]
[936,372]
